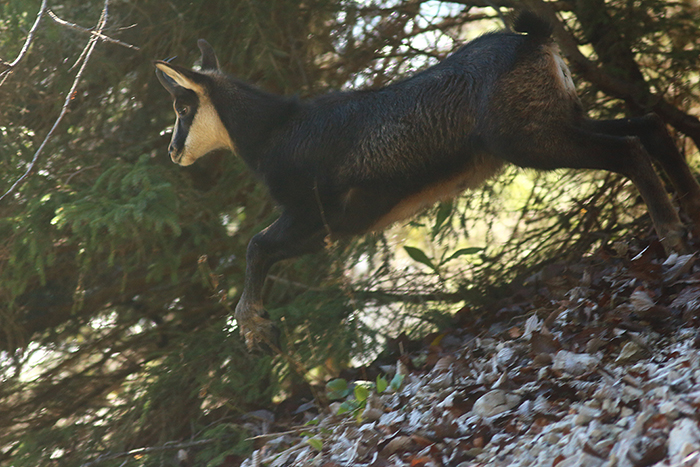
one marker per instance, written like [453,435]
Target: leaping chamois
[347,163]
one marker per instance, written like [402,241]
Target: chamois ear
[165,80]
[209,60]
[172,77]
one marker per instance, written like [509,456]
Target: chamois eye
[182,110]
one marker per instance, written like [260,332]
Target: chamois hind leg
[285,238]
[652,132]
[579,148]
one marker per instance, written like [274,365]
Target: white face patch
[207,133]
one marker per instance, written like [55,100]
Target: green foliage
[419,255]
[315,443]
[395,382]
[338,389]
[382,384]
[29,237]
[129,204]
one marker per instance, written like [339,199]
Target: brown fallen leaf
[399,443]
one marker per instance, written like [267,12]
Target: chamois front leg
[286,238]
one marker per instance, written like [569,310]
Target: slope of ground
[591,364]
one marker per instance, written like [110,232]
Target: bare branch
[4,75]
[148,450]
[87,52]
[100,36]
[385,296]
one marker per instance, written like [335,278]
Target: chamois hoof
[260,335]
[695,232]
[675,241]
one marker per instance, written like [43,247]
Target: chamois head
[198,128]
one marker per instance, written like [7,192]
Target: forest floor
[589,364]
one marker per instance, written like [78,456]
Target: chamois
[347,163]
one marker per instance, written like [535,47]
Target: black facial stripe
[180,135]
[188,102]
[189,116]
[184,97]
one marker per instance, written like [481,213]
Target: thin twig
[329,234]
[497,8]
[79,171]
[69,96]
[149,450]
[100,36]
[293,431]
[300,285]
[26,45]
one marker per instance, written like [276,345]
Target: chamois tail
[533,25]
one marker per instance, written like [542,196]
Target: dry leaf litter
[590,365]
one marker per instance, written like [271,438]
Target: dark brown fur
[350,162]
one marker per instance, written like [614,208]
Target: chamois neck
[250,115]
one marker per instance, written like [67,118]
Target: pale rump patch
[561,71]
[207,133]
[471,178]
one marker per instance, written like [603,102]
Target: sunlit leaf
[419,255]
[337,389]
[315,443]
[396,382]
[443,214]
[348,406]
[464,251]
[382,384]
[361,393]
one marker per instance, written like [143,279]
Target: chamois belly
[472,177]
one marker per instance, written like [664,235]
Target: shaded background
[119,269]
